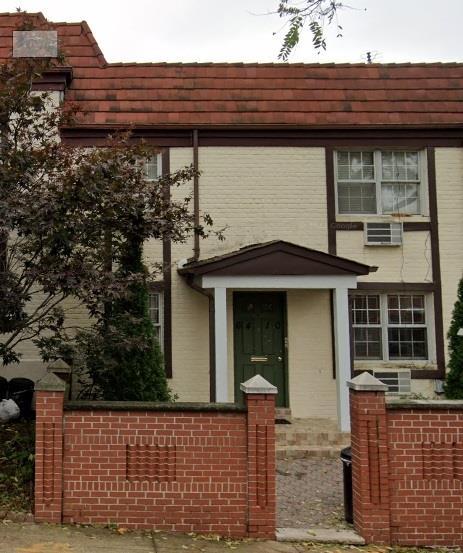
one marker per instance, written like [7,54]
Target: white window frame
[422,182]
[429,325]
[160,324]
[158,157]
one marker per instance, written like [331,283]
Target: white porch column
[342,348]
[221,353]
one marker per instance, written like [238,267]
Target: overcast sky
[239,30]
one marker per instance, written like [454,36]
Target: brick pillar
[49,398]
[260,401]
[370,471]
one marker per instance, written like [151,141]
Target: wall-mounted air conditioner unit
[383,234]
[397,382]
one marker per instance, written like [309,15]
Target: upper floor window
[379,182]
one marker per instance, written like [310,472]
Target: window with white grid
[390,327]
[379,182]
[356,182]
[152,167]
[155,312]
[407,332]
[366,319]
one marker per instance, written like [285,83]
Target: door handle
[280,358]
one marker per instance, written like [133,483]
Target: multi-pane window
[156,315]
[375,182]
[152,167]
[390,327]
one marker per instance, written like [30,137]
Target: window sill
[382,218]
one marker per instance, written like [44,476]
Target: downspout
[210,295]
[196,247]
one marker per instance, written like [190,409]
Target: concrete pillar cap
[366,382]
[50,383]
[258,385]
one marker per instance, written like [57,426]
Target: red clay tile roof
[219,94]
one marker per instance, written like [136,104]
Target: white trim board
[283,282]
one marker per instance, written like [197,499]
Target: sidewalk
[44,538]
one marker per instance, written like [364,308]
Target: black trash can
[346,458]
[3,388]
[21,390]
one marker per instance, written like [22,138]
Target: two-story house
[341,190]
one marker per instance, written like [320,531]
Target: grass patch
[17,443]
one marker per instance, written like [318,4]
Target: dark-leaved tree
[67,217]
[454,381]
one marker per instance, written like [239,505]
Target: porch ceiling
[275,258]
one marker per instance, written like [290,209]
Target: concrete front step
[320,535]
[298,452]
[308,433]
[309,438]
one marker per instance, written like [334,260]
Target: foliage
[123,360]
[454,381]
[17,465]
[66,212]
[311,13]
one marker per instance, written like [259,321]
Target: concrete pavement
[45,538]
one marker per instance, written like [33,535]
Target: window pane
[400,198]
[367,343]
[356,166]
[406,309]
[150,168]
[366,310]
[357,198]
[399,166]
[408,343]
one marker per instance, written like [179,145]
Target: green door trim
[284,306]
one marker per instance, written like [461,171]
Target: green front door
[259,339]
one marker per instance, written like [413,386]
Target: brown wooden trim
[59,79]
[269,257]
[435,262]
[196,247]
[157,286]
[330,200]
[348,225]
[167,272]
[330,137]
[409,226]
[398,286]
[416,226]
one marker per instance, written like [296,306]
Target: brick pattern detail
[370,466]
[49,456]
[151,462]
[407,473]
[261,466]
[184,471]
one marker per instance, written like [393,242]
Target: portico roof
[276,258]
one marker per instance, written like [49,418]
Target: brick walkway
[310,493]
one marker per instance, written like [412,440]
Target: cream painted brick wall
[410,262]
[190,313]
[259,194]
[263,194]
[311,385]
[449,184]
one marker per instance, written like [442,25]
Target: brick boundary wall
[407,467]
[206,468]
